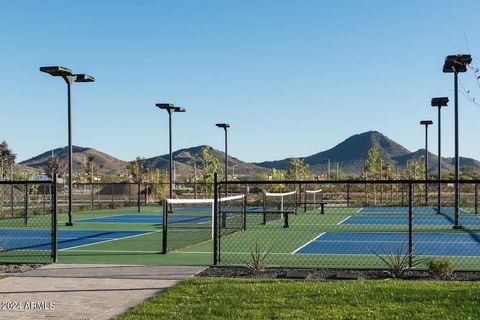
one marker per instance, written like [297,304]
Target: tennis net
[275,205]
[190,221]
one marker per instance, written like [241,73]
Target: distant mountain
[185,159]
[351,154]
[106,163]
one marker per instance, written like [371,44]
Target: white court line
[359,210]
[113,239]
[306,244]
[116,215]
[343,220]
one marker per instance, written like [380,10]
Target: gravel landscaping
[328,274]
[17,268]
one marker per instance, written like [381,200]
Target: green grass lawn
[283,299]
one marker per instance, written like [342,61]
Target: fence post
[215,221]
[54,218]
[476,198]
[139,194]
[348,194]
[113,192]
[26,203]
[11,201]
[410,225]
[304,198]
[244,207]
[264,208]
[92,185]
[165,227]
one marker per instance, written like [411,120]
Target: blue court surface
[66,239]
[438,220]
[369,243]
[417,210]
[147,219]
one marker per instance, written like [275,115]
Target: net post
[26,203]
[215,220]
[410,225]
[264,208]
[164,227]
[285,219]
[139,195]
[54,218]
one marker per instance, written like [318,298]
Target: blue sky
[291,77]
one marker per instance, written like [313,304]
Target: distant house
[41,177]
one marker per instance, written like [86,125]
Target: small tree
[373,167]
[136,168]
[7,159]
[159,183]
[277,175]
[297,170]
[210,166]
[55,164]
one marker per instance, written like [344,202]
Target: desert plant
[440,267]
[398,260]
[258,258]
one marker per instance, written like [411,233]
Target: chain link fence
[104,195]
[351,224]
[27,222]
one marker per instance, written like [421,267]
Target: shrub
[440,267]
[259,257]
[397,260]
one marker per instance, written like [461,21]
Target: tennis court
[367,243]
[415,210]
[148,219]
[67,239]
[437,220]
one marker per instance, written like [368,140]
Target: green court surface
[342,237]
[330,241]
[143,249]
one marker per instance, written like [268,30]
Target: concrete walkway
[82,291]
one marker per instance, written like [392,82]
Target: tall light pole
[69,78]
[456,64]
[170,109]
[439,102]
[225,126]
[426,123]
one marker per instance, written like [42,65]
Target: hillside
[186,158]
[106,163]
[351,153]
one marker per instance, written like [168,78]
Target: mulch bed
[17,268]
[328,274]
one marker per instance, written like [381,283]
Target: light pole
[170,109]
[456,64]
[439,103]
[426,123]
[225,126]
[233,171]
[69,78]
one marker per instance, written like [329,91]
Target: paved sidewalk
[82,291]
